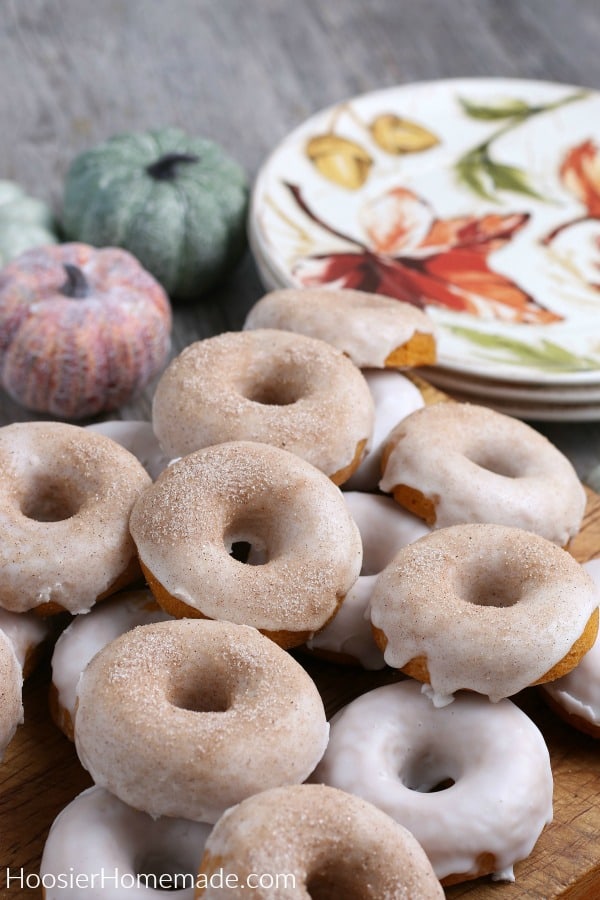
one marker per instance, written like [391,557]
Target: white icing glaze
[367,327]
[578,693]
[187,717]
[274,387]
[277,502]
[477,465]
[86,635]
[384,528]
[392,747]
[97,834]
[491,608]
[26,631]
[65,498]
[395,397]
[139,438]
[11,683]
[318,835]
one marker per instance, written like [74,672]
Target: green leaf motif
[546,355]
[506,108]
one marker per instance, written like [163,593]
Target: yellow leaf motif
[396,135]
[340,160]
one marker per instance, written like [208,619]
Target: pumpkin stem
[164,169]
[76,285]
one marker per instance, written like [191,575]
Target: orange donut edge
[419,350]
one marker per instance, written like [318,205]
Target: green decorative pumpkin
[178,203]
[24,222]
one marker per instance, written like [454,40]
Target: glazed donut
[328,844]
[455,463]
[11,684]
[65,499]
[139,438]
[186,718]
[373,330]
[84,637]
[274,387]
[384,529]
[290,514]
[576,696]
[394,398]
[100,848]
[472,782]
[26,632]
[483,607]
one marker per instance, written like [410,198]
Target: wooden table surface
[244,73]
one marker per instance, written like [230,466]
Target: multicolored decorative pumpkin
[24,222]
[177,203]
[81,330]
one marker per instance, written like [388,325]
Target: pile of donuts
[294,491]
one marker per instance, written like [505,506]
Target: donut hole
[498,464]
[201,697]
[336,880]
[50,500]
[493,588]
[273,391]
[245,544]
[158,872]
[428,772]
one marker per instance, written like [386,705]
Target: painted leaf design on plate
[397,135]
[340,160]
[545,355]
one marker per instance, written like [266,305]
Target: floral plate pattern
[477,199]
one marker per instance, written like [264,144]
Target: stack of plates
[476,199]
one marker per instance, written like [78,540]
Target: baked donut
[576,696]
[305,546]
[454,463]
[323,842]
[395,397]
[26,632]
[186,718]
[85,636]
[472,782]
[384,529]
[374,331]
[11,684]
[274,387]
[138,437]
[103,849]
[65,499]
[483,607]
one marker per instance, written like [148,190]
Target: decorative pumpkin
[177,203]
[24,222]
[81,329]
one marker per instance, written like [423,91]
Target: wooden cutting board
[40,774]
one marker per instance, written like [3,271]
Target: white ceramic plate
[478,199]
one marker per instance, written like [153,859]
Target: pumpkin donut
[576,696]
[186,718]
[486,608]
[324,842]
[11,683]
[141,856]
[84,637]
[274,387]
[455,463]
[65,499]
[138,437]
[373,330]
[26,632]
[303,548]
[472,782]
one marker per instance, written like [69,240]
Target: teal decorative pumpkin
[24,222]
[178,203]
[81,330]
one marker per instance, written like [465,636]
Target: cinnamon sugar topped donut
[485,608]
[274,387]
[373,330]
